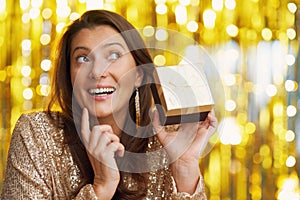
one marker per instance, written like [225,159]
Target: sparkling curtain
[253,43]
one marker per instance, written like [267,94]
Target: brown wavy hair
[63,91]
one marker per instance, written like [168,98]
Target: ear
[139,77]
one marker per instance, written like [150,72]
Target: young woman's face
[103,71]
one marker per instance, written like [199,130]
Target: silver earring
[137,107]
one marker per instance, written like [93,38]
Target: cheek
[125,70]
[74,72]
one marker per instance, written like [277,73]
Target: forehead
[96,37]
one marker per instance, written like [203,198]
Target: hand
[102,144]
[185,148]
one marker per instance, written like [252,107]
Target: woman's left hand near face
[102,144]
[184,148]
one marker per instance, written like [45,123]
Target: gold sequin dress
[41,166]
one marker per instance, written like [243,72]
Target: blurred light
[230,131]
[63,12]
[282,36]
[60,26]
[209,17]
[290,85]
[250,128]
[230,4]
[45,39]
[27,105]
[181,14]
[2,75]
[255,178]
[110,6]
[82,1]
[264,150]
[26,81]
[232,30]
[28,93]
[26,53]
[256,192]
[290,161]
[292,7]
[278,110]
[36,3]
[92,4]
[278,78]
[24,4]
[288,190]
[266,33]
[291,33]
[185,2]
[290,59]
[271,90]
[47,13]
[257,21]
[26,45]
[159,60]
[160,1]
[256,160]
[44,79]
[267,162]
[229,59]
[46,64]
[43,90]
[26,70]
[148,31]
[192,26]
[34,13]
[241,117]
[161,9]
[195,2]
[235,167]
[258,89]
[291,111]
[2,6]
[230,105]
[161,35]
[251,34]
[229,79]
[290,136]
[74,16]
[26,18]
[217,5]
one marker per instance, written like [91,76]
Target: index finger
[85,126]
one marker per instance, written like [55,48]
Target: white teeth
[101,91]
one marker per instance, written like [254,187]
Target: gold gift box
[181,94]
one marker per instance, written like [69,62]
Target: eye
[82,59]
[114,56]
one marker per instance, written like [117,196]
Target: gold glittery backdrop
[254,44]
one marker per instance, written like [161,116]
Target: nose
[99,69]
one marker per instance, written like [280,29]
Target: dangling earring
[137,107]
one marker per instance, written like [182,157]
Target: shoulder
[41,118]
[39,121]
[38,128]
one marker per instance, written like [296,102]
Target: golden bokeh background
[254,45]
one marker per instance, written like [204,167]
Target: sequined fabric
[41,166]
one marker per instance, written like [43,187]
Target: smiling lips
[101,92]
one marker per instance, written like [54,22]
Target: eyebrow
[80,47]
[114,43]
[105,45]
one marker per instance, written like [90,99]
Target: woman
[87,150]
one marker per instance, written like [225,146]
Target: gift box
[181,94]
